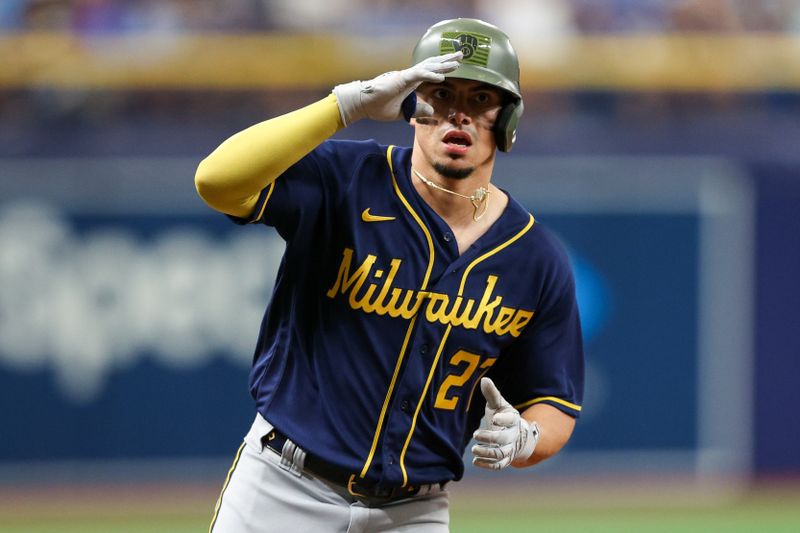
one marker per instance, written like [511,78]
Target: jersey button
[404,405]
[423,349]
[448,237]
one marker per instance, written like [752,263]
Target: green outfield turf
[773,518]
[750,518]
[471,512]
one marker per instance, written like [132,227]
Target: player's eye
[441,93]
[485,99]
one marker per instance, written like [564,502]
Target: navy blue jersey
[378,331]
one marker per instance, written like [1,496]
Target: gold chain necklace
[479,198]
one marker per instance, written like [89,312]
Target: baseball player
[414,299]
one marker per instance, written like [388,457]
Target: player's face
[459,135]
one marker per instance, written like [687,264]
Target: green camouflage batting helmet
[488,58]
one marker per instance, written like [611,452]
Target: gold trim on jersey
[553,399]
[420,296]
[420,404]
[388,397]
[271,188]
[417,218]
[490,253]
[527,318]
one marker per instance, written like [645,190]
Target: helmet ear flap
[505,128]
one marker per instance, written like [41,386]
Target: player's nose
[457,116]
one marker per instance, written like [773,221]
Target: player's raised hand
[507,437]
[391,96]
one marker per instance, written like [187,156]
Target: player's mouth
[457,142]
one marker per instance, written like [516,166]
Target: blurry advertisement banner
[129,310]
[663,254]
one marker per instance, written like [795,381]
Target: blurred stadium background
[660,142]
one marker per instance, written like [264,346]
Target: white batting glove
[508,438]
[390,96]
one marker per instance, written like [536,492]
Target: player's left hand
[508,438]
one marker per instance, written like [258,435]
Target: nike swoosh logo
[367,217]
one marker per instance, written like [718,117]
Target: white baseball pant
[262,494]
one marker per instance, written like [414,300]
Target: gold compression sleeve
[231,178]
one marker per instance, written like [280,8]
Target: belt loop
[266,439]
[293,458]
